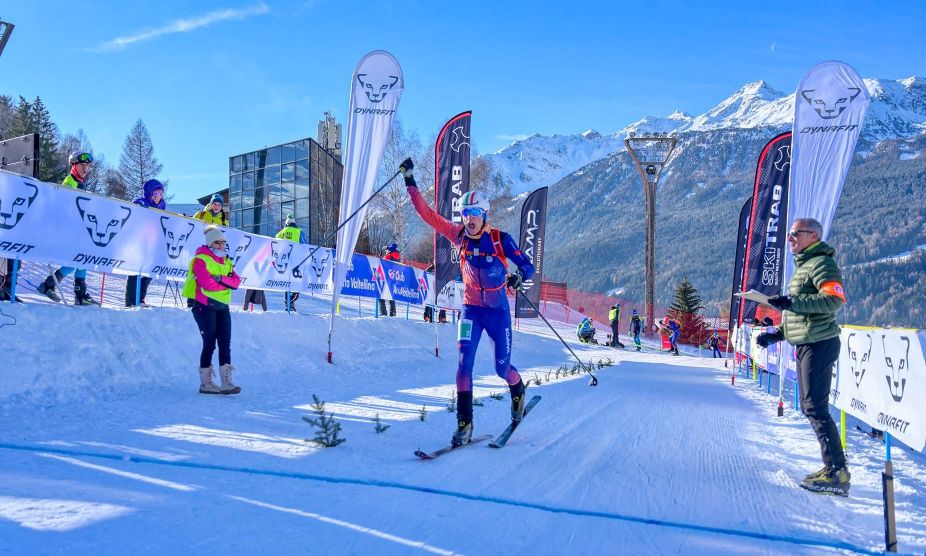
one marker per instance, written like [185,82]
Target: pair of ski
[499,442]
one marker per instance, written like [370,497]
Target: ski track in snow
[663,457]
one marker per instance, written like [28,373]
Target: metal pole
[594,380]
[13,281]
[887,491]
[650,276]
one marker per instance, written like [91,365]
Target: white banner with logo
[45,223]
[376,88]
[829,109]
[881,379]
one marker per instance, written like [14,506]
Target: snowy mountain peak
[898,109]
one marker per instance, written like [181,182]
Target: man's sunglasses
[473,212]
[794,233]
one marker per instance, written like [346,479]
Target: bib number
[465,332]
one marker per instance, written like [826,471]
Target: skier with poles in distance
[484,252]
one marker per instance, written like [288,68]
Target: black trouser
[428,313]
[215,328]
[293,296]
[382,307]
[815,376]
[256,297]
[615,339]
[131,284]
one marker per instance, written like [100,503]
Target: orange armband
[833,288]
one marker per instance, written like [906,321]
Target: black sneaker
[463,434]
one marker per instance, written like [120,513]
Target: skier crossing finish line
[484,252]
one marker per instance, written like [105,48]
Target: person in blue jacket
[484,255]
[586,332]
[153,198]
[672,329]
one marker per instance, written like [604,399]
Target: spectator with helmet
[636,326]
[291,232]
[135,293]
[76,179]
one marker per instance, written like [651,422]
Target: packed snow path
[107,448]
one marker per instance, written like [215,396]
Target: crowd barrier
[55,225]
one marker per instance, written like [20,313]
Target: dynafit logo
[176,232]
[897,359]
[376,88]
[102,218]
[15,200]
[241,249]
[833,104]
[280,252]
[859,347]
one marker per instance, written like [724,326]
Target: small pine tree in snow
[422,413]
[477,402]
[379,426]
[452,406]
[328,431]
[497,396]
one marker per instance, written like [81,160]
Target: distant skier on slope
[636,326]
[672,330]
[484,252]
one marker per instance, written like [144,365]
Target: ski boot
[206,385]
[81,297]
[638,348]
[463,434]
[831,481]
[517,400]
[817,474]
[48,289]
[225,372]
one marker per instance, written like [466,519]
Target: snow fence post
[13,281]
[102,288]
[138,289]
[887,493]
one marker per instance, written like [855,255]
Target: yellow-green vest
[215,269]
[612,314]
[290,233]
[71,182]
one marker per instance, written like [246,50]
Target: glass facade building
[299,178]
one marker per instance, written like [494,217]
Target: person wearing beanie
[153,197]
[291,232]
[213,212]
[636,326]
[80,163]
[484,255]
[390,253]
[209,282]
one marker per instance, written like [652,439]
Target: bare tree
[79,143]
[137,163]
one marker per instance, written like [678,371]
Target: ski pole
[296,272]
[594,380]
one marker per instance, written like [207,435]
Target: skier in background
[291,232]
[636,326]
[484,253]
[614,315]
[80,167]
[672,329]
[714,343]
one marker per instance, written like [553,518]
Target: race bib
[465,330]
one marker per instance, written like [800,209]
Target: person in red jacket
[391,253]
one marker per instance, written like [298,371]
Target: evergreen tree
[685,309]
[6,116]
[51,167]
[137,163]
[21,121]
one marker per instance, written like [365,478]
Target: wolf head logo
[281,251]
[176,232]
[897,359]
[859,346]
[376,89]
[241,249]
[102,219]
[319,264]
[15,201]
[832,105]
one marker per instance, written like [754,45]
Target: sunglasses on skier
[473,212]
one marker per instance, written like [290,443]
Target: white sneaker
[206,385]
[225,371]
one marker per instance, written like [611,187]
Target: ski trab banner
[451,175]
[742,233]
[533,233]
[829,109]
[376,88]
[766,239]
[881,379]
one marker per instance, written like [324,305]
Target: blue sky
[216,78]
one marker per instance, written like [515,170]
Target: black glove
[780,302]
[406,167]
[767,338]
[514,281]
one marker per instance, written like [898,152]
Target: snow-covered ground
[107,448]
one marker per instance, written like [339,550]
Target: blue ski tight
[497,323]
